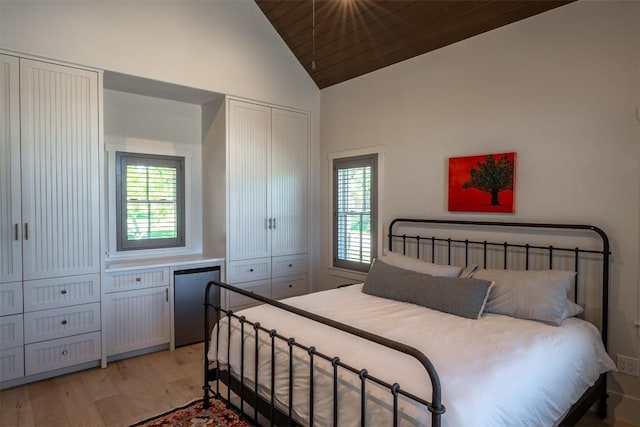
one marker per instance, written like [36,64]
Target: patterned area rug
[192,415]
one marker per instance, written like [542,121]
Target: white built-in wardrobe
[49,218]
[257,197]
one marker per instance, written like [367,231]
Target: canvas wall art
[484,183]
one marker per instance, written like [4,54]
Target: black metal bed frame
[267,407]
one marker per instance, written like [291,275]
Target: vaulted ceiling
[337,40]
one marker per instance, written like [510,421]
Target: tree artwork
[492,177]
[484,183]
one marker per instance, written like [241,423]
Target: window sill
[347,274]
[148,253]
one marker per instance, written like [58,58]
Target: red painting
[482,183]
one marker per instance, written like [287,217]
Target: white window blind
[152,198]
[150,201]
[355,214]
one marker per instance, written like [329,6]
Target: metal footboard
[435,406]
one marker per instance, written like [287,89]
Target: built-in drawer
[10,298]
[285,287]
[61,292]
[55,354]
[260,287]
[136,279]
[249,270]
[61,322]
[11,363]
[289,265]
[11,331]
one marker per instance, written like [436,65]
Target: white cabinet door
[60,184]
[289,182]
[60,353]
[136,319]
[10,298]
[10,216]
[11,363]
[249,145]
[62,322]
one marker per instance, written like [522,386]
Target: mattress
[494,371]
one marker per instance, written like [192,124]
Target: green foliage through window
[355,211]
[150,201]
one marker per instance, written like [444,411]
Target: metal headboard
[449,244]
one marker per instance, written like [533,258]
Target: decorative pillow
[462,297]
[420,266]
[468,271]
[572,309]
[529,294]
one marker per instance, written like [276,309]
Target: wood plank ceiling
[354,37]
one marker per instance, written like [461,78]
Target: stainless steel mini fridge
[188,300]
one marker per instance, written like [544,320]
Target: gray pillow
[529,294]
[462,297]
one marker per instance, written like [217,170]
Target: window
[149,201]
[355,211]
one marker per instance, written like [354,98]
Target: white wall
[145,124]
[224,46]
[561,90]
[135,116]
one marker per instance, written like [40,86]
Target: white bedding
[495,371]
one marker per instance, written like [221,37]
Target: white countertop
[169,261]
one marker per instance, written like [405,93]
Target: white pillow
[572,309]
[468,271]
[420,266]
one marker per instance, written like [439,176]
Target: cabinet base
[49,374]
[135,353]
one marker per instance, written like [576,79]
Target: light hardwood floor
[125,392]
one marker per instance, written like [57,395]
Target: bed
[444,346]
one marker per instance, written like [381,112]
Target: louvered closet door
[289,182]
[138,319]
[10,217]
[60,187]
[248,171]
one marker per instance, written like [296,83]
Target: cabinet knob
[64,322]
[138,279]
[290,265]
[251,270]
[65,352]
[291,286]
[63,292]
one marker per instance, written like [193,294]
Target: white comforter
[496,371]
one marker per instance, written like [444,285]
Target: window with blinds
[150,201]
[355,216]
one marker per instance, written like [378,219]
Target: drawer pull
[251,270]
[63,292]
[138,279]
[64,322]
[65,352]
[290,265]
[291,286]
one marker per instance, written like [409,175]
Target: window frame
[121,160]
[376,156]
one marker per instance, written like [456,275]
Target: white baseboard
[624,408]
